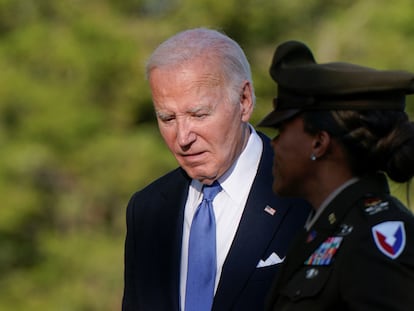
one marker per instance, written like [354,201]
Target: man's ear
[246,101]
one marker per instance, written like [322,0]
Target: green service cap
[304,85]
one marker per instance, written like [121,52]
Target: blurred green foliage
[77,131]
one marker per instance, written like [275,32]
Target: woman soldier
[342,130]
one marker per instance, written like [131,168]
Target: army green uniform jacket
[359,256]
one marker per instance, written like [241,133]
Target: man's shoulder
[175,177]
[168,190]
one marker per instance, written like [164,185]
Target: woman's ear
[321,144]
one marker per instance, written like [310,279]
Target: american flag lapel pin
[269,210]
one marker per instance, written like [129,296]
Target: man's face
[204,131]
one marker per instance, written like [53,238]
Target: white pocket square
[273,259]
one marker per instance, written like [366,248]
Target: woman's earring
[313,157]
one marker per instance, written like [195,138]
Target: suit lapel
[172,201]
[256,230]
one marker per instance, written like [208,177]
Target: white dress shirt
[228,205]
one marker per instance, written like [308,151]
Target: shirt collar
[239,178]
[243,169]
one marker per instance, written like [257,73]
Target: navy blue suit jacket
[153,243]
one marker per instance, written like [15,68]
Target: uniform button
[311,273]
[298,293]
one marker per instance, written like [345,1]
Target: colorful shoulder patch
[324,254]
[389,237]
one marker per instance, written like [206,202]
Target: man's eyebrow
[162,114]
[203,106]
[198,109]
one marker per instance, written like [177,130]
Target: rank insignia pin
[311,273]
[345,229]
[332,218]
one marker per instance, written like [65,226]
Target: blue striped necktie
[202,266]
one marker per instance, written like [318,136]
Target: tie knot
[210,192]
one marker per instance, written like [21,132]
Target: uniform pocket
[307,282]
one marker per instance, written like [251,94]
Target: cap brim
[274,118]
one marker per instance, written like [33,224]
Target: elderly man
[209,235]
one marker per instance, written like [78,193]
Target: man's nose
[185,134]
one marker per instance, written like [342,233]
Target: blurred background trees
[77,131]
